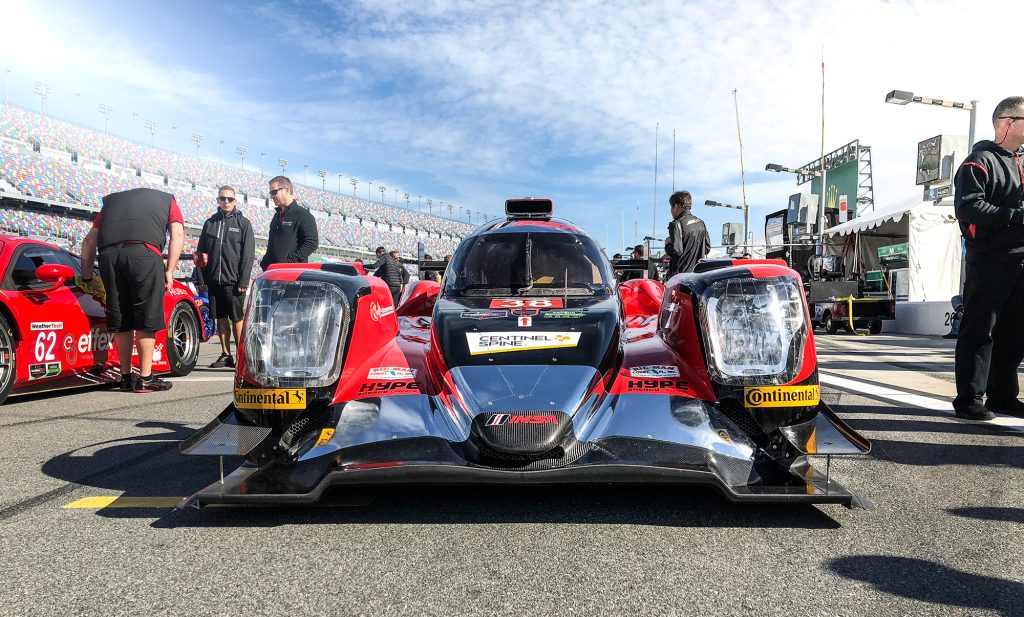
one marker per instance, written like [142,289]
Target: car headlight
[294,333]
[755,330]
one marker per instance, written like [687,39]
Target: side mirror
[54,274]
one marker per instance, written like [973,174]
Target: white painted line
[916,400]
[180,379]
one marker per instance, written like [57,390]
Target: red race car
[53,332]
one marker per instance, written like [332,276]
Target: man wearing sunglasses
[292,237]
[226,250]
[990,346]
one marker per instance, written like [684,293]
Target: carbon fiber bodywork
[605,386]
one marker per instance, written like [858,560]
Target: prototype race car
[526,364]
[53,331]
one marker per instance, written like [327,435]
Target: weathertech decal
[657,386]
[498,342]
[391,373]
[654,371]
[537,303]
[501,419]
[781,396]
[272,398]
[46,325]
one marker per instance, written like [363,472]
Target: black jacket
[230,244]
[292,238]
[988,203]
[687,243]
[393,272]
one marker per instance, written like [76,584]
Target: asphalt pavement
[86,527]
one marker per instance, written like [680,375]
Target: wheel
[831,327]
[8,359]
[875,327]
[182,340]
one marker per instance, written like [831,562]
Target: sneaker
[127,382]
[1013,407]
[223,361]
[151,384]
[974,411]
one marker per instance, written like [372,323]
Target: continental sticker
[325,436]
[272,398]
[780,396]
[502,342]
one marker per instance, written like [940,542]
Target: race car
[53,331]
[528,365]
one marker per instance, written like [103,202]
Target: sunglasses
[276,191]
[1013,118]
[226,200]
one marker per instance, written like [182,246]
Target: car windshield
[528,264]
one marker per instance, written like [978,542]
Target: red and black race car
[528,365]
[53,331]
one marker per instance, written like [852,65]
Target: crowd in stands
[68,163]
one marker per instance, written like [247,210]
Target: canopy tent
[931,233]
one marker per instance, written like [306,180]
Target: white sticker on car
[391,373]
[498,342]
[654,371]
[39,326]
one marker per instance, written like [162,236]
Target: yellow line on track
[121,501]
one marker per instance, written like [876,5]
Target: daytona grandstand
[54,174]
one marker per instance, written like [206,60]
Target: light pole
[419,202]
[242,151]
[382,190]
[77,95]
[395,201]
[407,201]
[220,152]
[7,88]
[354,182]
[746,214]
[369,185]
[106,111]
[469,215]
[305,174]
[323,186]
[820,173]
[284,165]
[262,154]
[449,211]
[339,184]
[902,97]
[430,206]
[43,90]
[135,115]
[174,129]
[151,125]
[198,138]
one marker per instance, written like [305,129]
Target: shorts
[226,302]
[133,275]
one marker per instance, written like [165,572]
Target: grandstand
[51,161]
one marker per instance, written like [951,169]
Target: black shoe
[223,361]
[151,384]
[1012,407]
[974,411]
[128,382]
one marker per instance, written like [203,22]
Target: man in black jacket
[688,240]
[228,247]
[988,204]
[292,237]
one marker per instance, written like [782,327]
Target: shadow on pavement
[933,583]
[1011,515]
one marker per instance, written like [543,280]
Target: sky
[472,102]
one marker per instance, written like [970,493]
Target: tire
[831,327]
[182,340]
[8,359]
[875,327]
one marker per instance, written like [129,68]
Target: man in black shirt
[688,240]
[988,203]
[228,247]
[292,237]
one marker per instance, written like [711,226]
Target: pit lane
[945,538]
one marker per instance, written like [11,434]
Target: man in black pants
[130,232]
[228,247]
[688,240]
[292,236]
[988,203]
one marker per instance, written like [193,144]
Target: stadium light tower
[7,88]
[339,184]
[354,182]
[305,175]
[284,164]
[382,190]
[395,201]
[369,186]
[407,201]
[262,154]
[469,215]
[43,89]
[902,97]
[242,151]
[323,184]
[106,110]
[419,201]
[135,115]
[198,138]
[430,206]
[174,130]
[152,125]
[77,95]
[449,209]
[220,152]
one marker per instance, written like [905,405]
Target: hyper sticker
[537,303]
[390,387]
[38,326]
[500,342]
[658,386]
[391,373]
[654,371]
[270,398]
[780,396]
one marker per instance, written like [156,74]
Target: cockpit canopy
[513,261]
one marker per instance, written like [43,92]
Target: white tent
[931,232]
